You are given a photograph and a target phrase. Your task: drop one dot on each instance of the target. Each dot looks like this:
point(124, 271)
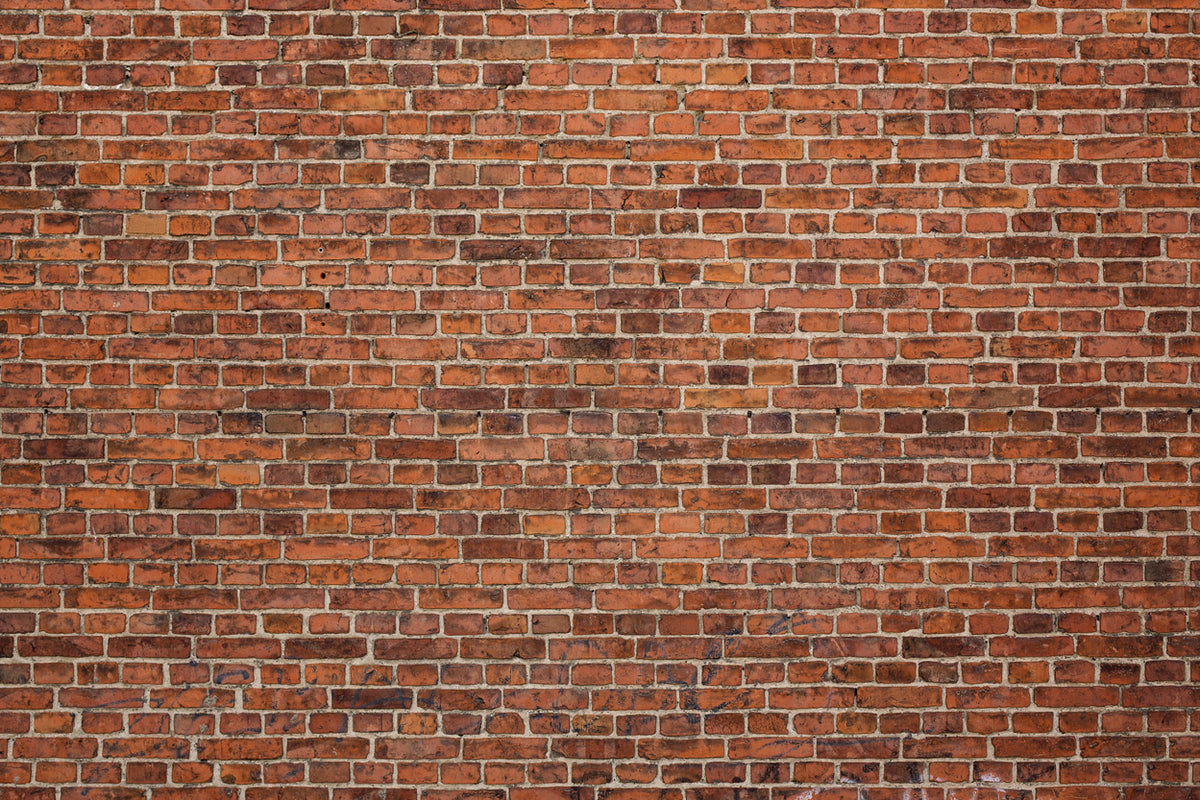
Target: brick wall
point(432, 400)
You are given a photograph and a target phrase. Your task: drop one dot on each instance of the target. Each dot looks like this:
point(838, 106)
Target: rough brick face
point(568, 400)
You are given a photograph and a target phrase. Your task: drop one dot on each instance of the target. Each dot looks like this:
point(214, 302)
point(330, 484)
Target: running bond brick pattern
point(569, 400)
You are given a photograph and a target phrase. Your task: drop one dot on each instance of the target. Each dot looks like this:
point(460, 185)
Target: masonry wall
point(435, 399)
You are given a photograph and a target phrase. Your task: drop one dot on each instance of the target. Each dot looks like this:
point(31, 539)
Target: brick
point(452, 400)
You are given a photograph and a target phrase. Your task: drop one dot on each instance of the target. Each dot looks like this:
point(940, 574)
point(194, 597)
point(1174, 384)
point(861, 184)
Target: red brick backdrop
point(547, 400)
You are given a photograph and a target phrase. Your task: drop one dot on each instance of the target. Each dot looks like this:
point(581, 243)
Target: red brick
point(455, 400)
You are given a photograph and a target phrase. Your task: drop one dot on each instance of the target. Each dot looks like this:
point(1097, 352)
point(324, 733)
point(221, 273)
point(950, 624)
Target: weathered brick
point(460, 399)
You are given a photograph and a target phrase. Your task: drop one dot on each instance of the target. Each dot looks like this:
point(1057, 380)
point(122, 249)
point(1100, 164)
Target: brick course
point(684, 400)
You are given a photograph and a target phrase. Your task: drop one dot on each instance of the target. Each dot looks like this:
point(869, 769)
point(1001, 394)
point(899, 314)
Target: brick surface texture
point(599, 400)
